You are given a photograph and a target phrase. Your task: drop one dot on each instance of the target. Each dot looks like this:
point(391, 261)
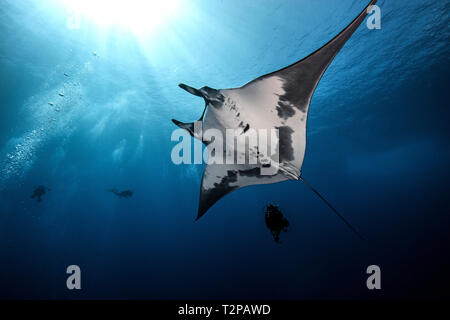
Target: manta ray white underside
point(276, 101)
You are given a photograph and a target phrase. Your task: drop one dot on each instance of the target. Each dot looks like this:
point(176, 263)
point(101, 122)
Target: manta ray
point(280, 101)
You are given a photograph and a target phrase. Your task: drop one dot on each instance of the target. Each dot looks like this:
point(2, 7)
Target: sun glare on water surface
point(137, 15)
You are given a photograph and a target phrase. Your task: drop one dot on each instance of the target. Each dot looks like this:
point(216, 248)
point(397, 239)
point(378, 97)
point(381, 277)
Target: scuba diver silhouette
point(39, 192)
point(122, 194)
point(275, 221)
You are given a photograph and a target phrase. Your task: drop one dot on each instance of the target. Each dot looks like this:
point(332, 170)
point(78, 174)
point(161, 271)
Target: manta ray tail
point(332, 208)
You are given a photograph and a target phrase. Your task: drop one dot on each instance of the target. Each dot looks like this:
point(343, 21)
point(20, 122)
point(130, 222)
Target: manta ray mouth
point(191, 90)
point(197, 93)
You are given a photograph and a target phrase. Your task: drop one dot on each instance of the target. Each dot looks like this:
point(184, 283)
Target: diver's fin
point(334, 210)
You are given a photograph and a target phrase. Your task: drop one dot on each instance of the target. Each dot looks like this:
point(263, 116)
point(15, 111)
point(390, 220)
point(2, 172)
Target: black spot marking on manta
point(285, 110)
point(255, 172)
point(209, 92)
point(298, 86)
point(213, 96)
point(209, 196)
point(286, 150)
point(226, 180)
point(217, 103)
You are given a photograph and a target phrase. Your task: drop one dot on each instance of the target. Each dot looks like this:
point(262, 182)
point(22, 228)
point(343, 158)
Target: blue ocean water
point(377, 148)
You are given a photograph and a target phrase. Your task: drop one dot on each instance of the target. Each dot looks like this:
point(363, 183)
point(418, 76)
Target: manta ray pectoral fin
point(218, 180)
point(317, 62)
point(210, 197)
point(301, 78)
point(221, 179)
